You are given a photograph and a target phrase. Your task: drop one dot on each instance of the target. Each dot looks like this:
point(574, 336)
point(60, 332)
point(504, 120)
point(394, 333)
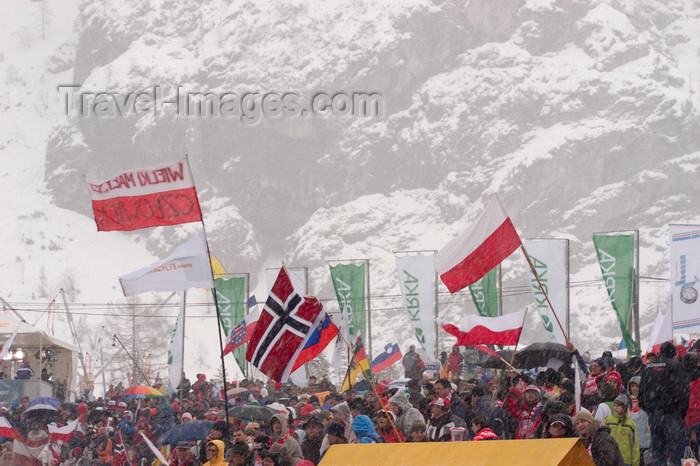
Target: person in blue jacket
point(364, 429)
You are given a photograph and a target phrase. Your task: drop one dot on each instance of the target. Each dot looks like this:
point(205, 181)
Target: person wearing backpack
point(364, 430)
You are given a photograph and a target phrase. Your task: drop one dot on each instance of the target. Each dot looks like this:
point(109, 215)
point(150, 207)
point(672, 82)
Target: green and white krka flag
point(416, 273)
point(549, 258)
point(616, 258)
point(485, 294)
point(231, 297)
point(175, 349)
point(349, 284)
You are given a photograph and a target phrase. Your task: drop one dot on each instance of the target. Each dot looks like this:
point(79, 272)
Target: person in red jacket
point(385, 429)
point(481, 430)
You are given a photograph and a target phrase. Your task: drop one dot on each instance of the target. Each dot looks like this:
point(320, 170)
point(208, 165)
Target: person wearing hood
point(215, 453)
point(624, 431)
point(597, 439)
point(364, 429)
point(282, 436)
point(664, 392)
point(217, 432)
point(341, 415)
point(560, 426)
point(404, 412)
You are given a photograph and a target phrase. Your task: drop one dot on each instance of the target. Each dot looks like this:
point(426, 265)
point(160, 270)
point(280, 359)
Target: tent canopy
point(28, 336)
point(511, 452)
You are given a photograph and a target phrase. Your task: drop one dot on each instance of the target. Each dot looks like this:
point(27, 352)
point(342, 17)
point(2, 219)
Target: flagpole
point(184, 310)
point(216, 307)
point(534, 272)
point(396, 432)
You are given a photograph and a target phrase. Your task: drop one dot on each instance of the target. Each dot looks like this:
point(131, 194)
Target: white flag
point(417, 282)
point(549, 258)
point(188, 266)
point(8, 344)
point(685, 277)
point(175, 350)
point(662, 331)
point(340, 345)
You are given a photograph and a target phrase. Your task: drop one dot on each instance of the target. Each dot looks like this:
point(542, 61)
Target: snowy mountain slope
point(581, 115)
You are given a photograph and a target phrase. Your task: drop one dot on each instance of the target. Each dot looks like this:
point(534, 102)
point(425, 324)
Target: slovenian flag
point(389, 356)
point(325, 332)
point(242, 332)
point(485, 244)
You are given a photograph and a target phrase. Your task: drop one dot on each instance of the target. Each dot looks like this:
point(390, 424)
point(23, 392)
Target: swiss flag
point(484, 245)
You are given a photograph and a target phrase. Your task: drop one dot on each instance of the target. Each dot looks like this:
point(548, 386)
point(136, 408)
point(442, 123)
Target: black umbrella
point(191, 431)
point(540, 354)
point(252, 413)
point(489, 361)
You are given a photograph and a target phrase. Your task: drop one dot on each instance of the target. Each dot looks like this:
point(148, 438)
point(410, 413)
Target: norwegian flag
point(119, 457)
point(285, 324)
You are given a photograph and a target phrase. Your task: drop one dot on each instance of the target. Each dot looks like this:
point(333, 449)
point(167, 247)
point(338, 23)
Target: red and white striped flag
point(485, 244)
point(27, 452)
point(479, 330)
point(145, 197)
point(64, 433)
point(6, 429)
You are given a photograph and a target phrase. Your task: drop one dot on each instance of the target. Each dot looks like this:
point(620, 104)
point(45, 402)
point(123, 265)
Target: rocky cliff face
point(581, 115)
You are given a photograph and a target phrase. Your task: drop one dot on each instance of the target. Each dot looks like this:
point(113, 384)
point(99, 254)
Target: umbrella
point(488, 361)
point(191, 431)
point(141, 391)
point(236, 391)
point(252, 413)
point(44, 400)
point(540, 354)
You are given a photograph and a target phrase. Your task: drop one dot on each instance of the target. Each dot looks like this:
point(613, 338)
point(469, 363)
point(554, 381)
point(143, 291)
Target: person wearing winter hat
point(614, 378)
point(596, 376)
point(527, 411)
point(624, 431)
point(559, 426)
point(664, 392)
point(441, 421)
point(186, 417)
point(597, 439)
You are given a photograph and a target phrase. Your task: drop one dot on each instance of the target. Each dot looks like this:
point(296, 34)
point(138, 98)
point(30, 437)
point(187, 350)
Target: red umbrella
point(141, 391)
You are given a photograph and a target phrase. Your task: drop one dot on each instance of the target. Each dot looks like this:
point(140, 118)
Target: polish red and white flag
point(484, 245)
point(145, 197)
point(64, 433)
point(479, 330)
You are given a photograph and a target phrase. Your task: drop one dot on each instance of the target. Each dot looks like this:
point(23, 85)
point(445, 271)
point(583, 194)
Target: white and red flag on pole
point(64, 433)
point(145, 197)
point(485, 244)
point(187, 267)
point(285, 324)
point(6, 429)
point(479, 330)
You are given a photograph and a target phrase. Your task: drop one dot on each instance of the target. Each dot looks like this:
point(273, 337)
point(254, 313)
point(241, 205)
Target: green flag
point(349, 284)
point(485, 294)
point(616, 258)
point(230, 293)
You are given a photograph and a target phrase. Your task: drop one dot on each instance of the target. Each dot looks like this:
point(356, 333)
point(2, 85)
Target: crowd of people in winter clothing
point(631, 413)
